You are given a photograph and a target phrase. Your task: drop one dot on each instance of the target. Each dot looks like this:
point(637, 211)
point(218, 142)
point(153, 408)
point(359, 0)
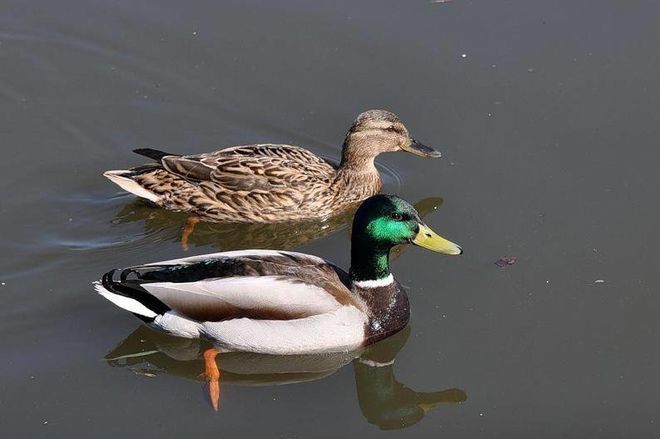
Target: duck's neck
point(371, 280)
point(357, 157)
point(370, 265)
point(357, 177)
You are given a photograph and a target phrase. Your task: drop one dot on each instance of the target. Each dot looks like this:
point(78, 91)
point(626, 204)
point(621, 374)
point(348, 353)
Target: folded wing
point(259, 285)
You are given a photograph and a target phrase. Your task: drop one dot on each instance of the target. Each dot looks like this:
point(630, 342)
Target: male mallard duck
point(269, 183)
point(278, 302)
point(282, 303)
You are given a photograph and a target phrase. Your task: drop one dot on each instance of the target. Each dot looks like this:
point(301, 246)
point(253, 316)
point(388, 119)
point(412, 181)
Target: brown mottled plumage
point(267, 183)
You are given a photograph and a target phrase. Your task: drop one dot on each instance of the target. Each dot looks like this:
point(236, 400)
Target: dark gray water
point(547, 115)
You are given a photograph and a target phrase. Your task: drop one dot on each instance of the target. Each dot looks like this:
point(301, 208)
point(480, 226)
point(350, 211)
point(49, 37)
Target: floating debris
point(506, 260)
point(144, 373)
point(599, 281)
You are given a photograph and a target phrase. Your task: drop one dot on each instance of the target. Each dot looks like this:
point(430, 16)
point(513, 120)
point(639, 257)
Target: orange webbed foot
point(187, 231)
point(212, 375)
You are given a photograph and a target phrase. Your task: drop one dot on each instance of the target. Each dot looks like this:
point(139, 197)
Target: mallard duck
point(269, 183)
point(277, 302)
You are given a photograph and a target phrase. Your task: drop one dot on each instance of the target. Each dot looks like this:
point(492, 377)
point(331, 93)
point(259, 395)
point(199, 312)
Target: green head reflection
point(386, 402)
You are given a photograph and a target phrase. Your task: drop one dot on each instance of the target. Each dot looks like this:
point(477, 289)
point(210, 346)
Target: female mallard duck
point(269, 183)
point(277, 302)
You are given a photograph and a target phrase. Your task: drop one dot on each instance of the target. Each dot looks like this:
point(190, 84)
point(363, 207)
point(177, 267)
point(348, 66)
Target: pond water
point(546, 115)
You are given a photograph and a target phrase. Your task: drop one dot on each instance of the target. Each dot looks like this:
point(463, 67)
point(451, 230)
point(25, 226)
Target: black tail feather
point(153, 153)
point(133, 289)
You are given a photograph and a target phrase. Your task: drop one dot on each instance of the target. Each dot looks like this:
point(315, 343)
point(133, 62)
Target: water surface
point(547, 117)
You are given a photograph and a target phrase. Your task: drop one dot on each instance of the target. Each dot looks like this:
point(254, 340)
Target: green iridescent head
point(384, 221)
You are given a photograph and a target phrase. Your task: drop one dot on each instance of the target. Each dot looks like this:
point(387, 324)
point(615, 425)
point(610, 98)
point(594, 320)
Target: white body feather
point(336, 331)
point(247, 292)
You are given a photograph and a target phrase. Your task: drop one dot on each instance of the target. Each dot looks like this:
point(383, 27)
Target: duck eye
point(396, 216)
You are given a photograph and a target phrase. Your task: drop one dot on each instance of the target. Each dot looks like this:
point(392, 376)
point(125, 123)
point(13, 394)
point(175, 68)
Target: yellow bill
point(427, 238)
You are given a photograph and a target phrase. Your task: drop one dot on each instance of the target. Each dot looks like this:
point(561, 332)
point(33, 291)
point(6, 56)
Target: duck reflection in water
point(383, 400)
point(236, 236)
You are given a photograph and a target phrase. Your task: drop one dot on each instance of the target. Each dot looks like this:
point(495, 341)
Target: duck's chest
point(350, 188)
point(389, 311)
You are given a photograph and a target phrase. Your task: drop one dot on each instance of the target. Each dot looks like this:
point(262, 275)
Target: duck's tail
point(124, 179)
point(130, 296)
point(154, 154)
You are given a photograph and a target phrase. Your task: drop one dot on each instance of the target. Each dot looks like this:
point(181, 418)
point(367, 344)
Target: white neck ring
point(375, 283)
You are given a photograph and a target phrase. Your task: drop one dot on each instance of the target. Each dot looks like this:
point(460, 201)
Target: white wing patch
point(246, 292)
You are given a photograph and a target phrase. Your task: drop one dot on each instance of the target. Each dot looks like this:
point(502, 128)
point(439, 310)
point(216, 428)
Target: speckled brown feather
point(277, 183)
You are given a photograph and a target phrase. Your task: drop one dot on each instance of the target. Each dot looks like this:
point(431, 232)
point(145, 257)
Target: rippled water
point(547, 118)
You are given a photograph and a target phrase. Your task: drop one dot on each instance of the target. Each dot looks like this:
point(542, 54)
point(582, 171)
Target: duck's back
point(251, 183)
